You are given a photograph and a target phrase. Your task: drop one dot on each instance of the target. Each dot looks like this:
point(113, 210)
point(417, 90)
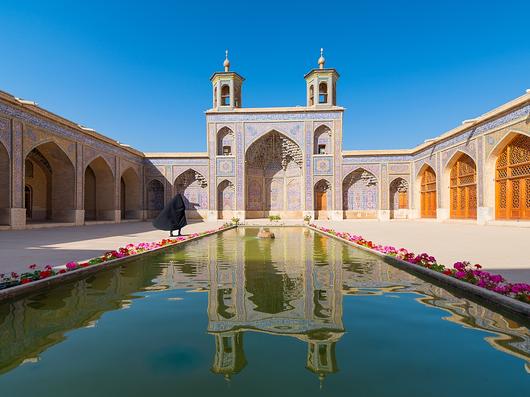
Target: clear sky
point(138, 71)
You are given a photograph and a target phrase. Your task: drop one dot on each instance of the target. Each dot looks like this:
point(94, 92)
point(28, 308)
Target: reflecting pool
point(234, 315)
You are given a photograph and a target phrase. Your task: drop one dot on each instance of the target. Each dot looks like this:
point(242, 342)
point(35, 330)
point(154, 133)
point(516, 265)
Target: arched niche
point(5, 183)
point(512, 179)
point(322, 140)
point(273, 172)
point(322, 196)
point(130, 195)
point(50, 181)
point(225, 142)
point(226, 199)
point(399, 198)
point(155, 198)
point(99, 191)
point(194, 189)
point(360, 190)
point(427, 189)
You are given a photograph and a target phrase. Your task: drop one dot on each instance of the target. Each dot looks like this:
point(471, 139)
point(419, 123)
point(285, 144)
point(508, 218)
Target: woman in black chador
point(172, 217)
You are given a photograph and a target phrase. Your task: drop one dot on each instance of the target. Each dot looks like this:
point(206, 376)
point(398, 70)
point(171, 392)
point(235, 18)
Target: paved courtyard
point(503, 249)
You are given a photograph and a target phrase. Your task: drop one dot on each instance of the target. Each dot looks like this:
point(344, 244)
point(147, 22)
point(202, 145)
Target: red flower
point(32, 266)
point(478, 266)
point(25, 280)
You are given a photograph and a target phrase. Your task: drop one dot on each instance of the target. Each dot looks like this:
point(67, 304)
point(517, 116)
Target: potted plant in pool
point(235, 221)
point(307, 219)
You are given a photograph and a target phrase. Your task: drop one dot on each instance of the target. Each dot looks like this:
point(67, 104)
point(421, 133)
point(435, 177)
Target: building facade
point(286, 161)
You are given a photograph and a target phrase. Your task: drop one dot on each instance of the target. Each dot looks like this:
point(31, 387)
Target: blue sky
point(139, 71)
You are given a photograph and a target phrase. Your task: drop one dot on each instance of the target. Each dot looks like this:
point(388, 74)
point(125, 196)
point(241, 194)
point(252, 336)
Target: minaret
point(321, 85)
point(226, 88)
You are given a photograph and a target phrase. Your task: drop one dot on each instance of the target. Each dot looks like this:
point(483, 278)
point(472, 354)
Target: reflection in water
point(291, 286)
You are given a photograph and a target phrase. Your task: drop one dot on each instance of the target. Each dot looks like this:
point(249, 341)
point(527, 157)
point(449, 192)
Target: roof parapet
point(26, 102)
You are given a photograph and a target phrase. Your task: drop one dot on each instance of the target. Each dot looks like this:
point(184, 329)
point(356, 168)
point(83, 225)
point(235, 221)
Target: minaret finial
point(321, 60)
point(226, 63)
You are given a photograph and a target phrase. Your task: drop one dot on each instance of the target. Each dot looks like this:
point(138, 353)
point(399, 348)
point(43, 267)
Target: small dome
point(321, 60)
point(226, 63)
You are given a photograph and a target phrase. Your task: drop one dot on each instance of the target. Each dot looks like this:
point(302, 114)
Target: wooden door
point(512, 180)
point(428, 194)
point(463, 189)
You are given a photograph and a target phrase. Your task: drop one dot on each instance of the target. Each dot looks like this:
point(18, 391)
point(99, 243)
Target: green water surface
point(234, 315)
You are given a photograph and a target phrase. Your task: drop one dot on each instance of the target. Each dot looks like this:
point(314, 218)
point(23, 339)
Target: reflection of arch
point(360, 194)
point(52, 184)
point(428, 192)
point(462, 173)
point(130, 195)
point(5, 182)
point(193, 187)
point(399, 196)
point(155, 198)
point(225, 199)
point(99, 196)
point(225, 142)
point(512, 179)
point(322, 140)
point(322, 198)
point(273, 176)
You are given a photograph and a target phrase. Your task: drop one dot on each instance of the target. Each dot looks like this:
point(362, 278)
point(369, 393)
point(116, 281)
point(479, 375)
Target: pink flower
point(32, 267)
point(71, 265)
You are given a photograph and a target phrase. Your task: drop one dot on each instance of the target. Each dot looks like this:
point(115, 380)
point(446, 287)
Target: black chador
point(173, 216)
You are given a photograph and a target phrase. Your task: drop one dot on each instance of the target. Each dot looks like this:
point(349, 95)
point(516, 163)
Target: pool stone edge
point(73, 275)
point(504, 302)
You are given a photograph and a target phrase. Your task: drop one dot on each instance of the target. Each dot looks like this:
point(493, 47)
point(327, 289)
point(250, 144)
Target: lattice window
point(513, 180)
point(463, 188)
point(428, 193)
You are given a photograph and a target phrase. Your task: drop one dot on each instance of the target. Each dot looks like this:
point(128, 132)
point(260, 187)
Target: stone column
point(117, 190)
point(18, 212)
point(79, 211)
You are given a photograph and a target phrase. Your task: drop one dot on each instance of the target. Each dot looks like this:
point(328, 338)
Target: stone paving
point(59, 245)
point(503, 249)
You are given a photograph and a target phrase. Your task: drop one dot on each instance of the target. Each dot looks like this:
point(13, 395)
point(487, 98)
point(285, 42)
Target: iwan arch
point(286, 161)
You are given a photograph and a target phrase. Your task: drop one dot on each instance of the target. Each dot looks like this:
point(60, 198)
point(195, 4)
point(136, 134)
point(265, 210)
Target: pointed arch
point(399, 197)
point(360, 189)
point(193, 187)
point(155, 198)
point(52, 184)
point(273, 172)
point(5, 182)
point(460, 181)
point(99, 191)
point(225, 142)
point(225, 199)
point(322, 140)
point(512, 179)
point(130, 195)
point(322, 194)
point(427, 187)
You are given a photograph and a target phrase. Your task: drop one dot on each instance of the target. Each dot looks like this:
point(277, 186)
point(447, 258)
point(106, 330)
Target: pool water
point(234, 315)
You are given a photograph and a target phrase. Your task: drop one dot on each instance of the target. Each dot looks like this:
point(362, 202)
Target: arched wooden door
point(428, 193)
point(463, 188)
point(321, 199)
point(512, 180)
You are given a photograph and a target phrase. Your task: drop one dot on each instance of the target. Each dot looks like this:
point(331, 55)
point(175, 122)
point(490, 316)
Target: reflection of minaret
point(229, 354)
point(321, 358)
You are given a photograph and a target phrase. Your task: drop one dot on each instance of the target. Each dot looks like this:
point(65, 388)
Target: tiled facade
point(259, 162)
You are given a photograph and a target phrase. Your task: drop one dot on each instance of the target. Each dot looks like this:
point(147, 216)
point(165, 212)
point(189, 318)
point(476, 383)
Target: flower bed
point(463, 271)
point(35, 273)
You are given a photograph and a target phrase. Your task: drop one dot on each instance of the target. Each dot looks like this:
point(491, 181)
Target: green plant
point(235, 220)
point(274, 218)
point(307, 218)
